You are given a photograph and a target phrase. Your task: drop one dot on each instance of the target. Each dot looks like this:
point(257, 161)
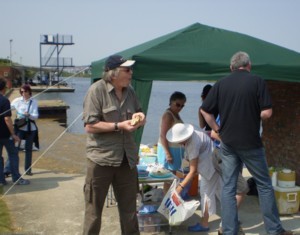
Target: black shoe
point(29, 173)
point(286, 233)
point(7, 174)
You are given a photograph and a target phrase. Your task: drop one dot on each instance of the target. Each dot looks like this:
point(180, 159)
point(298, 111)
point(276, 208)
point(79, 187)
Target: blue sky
point(101, 28)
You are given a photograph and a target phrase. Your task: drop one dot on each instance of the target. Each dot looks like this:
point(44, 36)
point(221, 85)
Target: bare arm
point(202, 122)
point(189, 177)
point(265, 114)
point(10, 127)
point(126, 125)
point(166, 124)
point(210, 119)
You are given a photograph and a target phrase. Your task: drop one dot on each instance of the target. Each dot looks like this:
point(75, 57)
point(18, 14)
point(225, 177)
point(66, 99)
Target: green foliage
point(4, 61)
point(29, 73)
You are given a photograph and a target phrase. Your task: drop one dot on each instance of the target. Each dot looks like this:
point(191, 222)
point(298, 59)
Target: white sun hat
point(180, 132)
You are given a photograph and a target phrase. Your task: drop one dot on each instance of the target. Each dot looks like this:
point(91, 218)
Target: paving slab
point(53, 204)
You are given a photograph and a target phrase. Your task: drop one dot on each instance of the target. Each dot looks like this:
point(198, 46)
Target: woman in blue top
point(169, 154)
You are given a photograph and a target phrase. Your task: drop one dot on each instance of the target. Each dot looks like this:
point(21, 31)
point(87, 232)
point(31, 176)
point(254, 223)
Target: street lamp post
point(10, 50)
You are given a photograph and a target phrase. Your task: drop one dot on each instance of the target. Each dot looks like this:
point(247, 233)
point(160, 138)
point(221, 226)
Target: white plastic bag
point(175, 209)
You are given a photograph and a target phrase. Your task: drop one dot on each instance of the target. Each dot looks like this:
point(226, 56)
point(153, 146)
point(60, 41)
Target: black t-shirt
point(4, 112)
point(239, 99)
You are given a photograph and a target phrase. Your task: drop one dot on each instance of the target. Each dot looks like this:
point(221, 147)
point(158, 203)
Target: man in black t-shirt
point(7, 139)
point(242, 101)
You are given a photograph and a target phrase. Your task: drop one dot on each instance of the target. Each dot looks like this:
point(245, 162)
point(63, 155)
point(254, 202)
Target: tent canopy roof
point(200, 52)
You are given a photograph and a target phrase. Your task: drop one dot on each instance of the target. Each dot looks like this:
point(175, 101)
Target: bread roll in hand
point(135, 120)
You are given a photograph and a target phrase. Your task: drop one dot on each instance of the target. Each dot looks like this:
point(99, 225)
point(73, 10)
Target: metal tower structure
point(51, 64)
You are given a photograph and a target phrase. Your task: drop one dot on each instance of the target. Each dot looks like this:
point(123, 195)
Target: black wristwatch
point(116, 127)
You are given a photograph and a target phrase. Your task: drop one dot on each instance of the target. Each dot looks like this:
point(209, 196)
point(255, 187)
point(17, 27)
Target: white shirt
point(21, 106)
point(201, 146)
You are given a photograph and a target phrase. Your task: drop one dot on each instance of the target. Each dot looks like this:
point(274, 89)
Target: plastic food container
point(141, 167)
point(148, 158)
point(287, 199)
point(286, 178)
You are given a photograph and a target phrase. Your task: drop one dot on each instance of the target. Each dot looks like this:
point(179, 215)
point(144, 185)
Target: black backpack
point(252, 187)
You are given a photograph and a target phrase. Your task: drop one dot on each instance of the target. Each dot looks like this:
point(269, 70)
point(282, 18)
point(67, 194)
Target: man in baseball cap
point(109, 107)
point(116, 61)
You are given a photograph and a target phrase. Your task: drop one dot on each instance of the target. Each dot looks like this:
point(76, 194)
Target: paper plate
point(167, 175)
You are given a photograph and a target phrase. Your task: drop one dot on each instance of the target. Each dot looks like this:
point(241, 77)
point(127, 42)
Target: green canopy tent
point(201, 52)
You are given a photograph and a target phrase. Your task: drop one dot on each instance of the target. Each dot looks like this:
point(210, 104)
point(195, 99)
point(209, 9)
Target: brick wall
point(12, 75)
point(281, 134)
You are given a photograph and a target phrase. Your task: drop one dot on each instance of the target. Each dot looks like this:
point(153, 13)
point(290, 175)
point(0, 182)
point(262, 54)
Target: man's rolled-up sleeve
point(91, 108)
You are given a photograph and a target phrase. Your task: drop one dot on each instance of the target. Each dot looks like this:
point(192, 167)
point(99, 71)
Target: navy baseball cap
point(115, 61)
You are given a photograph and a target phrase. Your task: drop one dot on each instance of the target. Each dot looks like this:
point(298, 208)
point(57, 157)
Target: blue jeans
point(2, 178)
point(256, 163)
point(29, 137)
point(13, 158)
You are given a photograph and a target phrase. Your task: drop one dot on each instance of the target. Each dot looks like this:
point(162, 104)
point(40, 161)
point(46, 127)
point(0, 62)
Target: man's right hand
point(169, 158)
point(16, 138)
point(127, 126)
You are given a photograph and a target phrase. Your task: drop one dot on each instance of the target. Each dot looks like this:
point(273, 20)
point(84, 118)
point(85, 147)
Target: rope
point(53, 143)
point(60, 82)
point(51, 87)
point(49, 147)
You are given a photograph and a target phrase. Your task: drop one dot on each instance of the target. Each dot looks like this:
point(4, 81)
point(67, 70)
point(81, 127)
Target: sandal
point(198, 228)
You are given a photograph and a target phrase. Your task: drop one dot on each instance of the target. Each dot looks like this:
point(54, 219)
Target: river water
point(159, 101)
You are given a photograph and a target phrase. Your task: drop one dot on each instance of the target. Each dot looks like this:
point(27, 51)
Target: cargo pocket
point(88, 191)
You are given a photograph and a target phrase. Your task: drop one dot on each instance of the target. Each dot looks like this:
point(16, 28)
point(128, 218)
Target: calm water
point(159, 101)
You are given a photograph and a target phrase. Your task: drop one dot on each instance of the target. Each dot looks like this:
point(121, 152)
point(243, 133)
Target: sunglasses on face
point(23, 92)
point(127, 70)
point(179, 105)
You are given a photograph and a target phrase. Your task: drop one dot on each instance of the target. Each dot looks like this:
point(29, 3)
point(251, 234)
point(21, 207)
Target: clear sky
point(104, 27)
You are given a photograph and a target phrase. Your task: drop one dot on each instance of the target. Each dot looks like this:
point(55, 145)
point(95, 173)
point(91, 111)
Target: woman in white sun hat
point(198, 151)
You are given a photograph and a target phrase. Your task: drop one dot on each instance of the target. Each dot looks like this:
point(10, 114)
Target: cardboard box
point(287, 199)
point(193, 191)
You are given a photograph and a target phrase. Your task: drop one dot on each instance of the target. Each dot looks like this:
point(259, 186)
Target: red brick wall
point(281, 135)
point(5, 72)
point(13, 75)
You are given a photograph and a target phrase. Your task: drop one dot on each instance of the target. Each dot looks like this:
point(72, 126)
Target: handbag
point(20, 122)
point(174, 208)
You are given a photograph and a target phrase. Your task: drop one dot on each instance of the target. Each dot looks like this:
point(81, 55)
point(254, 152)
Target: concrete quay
point(55, 88)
